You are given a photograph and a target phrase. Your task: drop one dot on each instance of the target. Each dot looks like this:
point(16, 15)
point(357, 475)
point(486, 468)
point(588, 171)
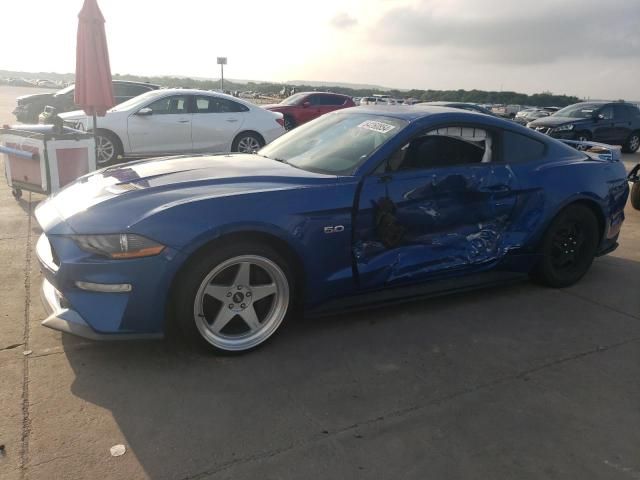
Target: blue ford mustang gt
point(359, 207)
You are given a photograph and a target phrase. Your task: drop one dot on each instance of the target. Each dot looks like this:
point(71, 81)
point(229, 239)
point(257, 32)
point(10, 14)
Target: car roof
point(132, 82)
point(194, 91)
point(323, 93)
point(444, 104)
point(417, 111)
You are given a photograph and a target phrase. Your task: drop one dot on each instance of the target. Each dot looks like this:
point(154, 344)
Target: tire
point(568, 247)
point(109, 148)
point(247, 142)
point(632, 143)
point(635, 196)
point(246, 288)
point(289, 123)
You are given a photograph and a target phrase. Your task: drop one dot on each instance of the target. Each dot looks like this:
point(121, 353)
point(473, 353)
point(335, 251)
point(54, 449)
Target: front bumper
point(85, 310)
point(64, 319)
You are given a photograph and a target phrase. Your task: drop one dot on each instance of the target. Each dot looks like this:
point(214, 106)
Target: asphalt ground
point(517, 382)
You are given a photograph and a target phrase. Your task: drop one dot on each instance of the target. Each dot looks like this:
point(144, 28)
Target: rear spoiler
point(597, 151)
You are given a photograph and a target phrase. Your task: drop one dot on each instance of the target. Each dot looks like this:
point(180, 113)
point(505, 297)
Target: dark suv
point(615, 123)
point(30, 106)
point(302, 107)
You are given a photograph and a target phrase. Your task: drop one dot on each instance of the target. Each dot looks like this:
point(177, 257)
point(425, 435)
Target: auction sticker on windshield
point(375, 126)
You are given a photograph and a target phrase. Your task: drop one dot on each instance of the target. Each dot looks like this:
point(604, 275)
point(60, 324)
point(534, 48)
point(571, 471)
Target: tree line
point(544, 99)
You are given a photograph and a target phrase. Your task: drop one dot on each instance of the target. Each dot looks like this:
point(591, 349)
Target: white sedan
point(171, 121)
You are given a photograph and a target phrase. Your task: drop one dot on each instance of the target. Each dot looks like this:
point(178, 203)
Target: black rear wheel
point(635, 196)
point(568, 247)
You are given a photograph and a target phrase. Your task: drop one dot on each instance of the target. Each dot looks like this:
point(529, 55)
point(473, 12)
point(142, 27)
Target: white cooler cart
point(43, 159)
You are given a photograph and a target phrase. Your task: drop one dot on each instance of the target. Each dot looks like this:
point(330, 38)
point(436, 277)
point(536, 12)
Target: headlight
point(118, 246)
point(563, 128)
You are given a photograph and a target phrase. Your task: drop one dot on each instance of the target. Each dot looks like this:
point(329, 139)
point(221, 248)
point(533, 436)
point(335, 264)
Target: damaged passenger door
point(440, 204)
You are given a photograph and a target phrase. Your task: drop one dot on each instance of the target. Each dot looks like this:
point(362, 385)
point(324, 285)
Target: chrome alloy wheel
point(106, 150)
point(241, 302)
point(634, 142)
point(248, 144)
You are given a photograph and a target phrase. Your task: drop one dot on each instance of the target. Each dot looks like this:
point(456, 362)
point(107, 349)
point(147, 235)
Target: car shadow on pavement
point(185, 413)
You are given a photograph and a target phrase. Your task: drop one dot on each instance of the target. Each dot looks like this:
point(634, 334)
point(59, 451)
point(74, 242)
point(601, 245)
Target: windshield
point(64, 91)
point(581, 110)
point(134, 102)
point(336, 143)
point(293, 99)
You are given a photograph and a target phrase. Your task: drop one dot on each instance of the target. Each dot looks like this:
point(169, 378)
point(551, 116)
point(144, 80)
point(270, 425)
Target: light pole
point(222, 61)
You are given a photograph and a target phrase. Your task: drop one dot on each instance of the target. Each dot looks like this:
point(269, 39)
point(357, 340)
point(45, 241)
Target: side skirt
point(436, 288)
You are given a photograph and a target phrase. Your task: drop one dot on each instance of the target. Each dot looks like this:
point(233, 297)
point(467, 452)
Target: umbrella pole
point(95, 136)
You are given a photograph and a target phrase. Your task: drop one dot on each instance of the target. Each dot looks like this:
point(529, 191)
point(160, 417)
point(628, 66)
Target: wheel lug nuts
point(239, 287)
point(243, 305)
point(248, 294)
point(231, 305)
point(228, 294)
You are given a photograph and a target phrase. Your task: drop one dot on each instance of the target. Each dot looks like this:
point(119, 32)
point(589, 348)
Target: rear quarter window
point(517, 148)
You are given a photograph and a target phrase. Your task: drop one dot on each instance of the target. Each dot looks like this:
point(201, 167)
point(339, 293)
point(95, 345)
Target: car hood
point(33, 97)
point(116, 198)
point(554, 121)
point(75, 115)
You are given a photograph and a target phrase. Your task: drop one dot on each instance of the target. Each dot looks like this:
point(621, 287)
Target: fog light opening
point(104, 287)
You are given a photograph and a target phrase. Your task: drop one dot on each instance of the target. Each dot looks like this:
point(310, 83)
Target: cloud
point(506, 32)
point(343, 21)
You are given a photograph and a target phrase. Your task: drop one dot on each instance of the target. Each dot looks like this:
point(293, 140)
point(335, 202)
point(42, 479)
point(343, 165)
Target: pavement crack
point(598, 349)
point(11, 347)
point(600, 304)
point(26, 420)
point(59, 457)
point(403, 412)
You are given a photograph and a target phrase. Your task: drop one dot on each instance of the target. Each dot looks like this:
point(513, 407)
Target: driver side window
point(314, 100)
point(606, 112)
point(444, 147)
point(177, 104)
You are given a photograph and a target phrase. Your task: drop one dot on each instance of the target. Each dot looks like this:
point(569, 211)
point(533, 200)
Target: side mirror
point(306, 104)
point(145, 111)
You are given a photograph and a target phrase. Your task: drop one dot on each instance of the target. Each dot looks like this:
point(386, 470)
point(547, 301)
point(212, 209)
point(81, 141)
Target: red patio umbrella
point(94, 88)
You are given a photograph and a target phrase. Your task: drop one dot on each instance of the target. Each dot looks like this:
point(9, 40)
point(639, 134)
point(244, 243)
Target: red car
point(304, 106)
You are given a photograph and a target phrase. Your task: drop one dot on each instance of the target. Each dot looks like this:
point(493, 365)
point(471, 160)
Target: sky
point(588, 48)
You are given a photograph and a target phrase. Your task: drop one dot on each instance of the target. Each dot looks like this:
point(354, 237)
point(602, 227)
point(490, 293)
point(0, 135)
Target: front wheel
point(234, 298)
point(289, 123)
point(108, 148)
point(635, 196)
point(568, 247)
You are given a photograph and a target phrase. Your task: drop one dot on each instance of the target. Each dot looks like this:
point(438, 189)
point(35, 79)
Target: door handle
point(183, 121)
point(231, 120)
